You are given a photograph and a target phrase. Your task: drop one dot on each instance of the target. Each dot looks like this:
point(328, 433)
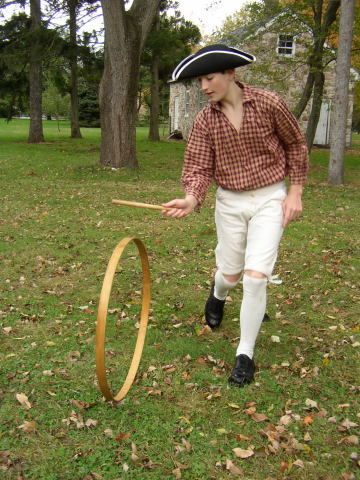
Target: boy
point(247, 141)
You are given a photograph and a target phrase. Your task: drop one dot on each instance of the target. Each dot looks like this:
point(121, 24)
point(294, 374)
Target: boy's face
point(216, 85)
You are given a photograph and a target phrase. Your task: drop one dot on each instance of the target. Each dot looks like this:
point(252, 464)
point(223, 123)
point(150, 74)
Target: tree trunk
point(341, 100)
point(35, 76)
point(315, 108)
point(118, 112)
point(155, 101)
point(306, 95)
point(125, 34)
point(315, 82)
point(75, 127)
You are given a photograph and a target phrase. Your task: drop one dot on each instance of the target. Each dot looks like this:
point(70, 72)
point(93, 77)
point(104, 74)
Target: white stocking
point(251, 313)
point(222, 286)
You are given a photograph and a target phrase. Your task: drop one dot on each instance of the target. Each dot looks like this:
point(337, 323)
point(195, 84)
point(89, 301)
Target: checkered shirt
point(268, 147)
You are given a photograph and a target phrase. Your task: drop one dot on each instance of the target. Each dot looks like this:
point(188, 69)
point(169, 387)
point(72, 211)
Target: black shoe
point(214, 310)
point(243, 372)
point(266, 318)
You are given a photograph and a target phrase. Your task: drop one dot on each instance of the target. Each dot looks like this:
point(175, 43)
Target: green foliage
point(57, 231)
point(14, 58)
point(89, 112)
point(170, 41)
point(15, 41)
point(54, 103)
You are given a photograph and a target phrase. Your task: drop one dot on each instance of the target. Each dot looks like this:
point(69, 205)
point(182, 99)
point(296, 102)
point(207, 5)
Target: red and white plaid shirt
point(268, 147)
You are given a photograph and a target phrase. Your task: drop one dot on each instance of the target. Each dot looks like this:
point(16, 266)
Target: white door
point(322, 135)
point(176, 114)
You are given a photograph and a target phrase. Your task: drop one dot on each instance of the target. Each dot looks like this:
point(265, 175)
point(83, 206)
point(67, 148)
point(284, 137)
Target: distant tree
point(316, 17)
point(92, 65)
point(72, 6)
point(170, 40)
point(14, 82)
point(321, 21)
point(36, 134)
point(55, 104)
point(341, 100)
point(125, 35)
point(78, 12)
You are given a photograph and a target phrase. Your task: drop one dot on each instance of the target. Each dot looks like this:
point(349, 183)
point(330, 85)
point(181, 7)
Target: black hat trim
point(247, 58)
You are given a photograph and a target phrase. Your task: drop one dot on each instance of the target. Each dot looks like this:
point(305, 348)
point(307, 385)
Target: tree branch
point(331, 13)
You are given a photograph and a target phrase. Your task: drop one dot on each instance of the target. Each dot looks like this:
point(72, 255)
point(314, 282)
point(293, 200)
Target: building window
point(187, 102)
point(286, 45)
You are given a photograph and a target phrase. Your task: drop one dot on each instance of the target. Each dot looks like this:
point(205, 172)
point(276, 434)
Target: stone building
point(280, 66)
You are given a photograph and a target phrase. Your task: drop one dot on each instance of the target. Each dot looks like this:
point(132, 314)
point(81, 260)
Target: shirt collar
point(248, 95)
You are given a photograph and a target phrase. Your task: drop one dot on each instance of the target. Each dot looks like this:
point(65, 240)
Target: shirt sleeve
point(198, 169)
point(294, 143)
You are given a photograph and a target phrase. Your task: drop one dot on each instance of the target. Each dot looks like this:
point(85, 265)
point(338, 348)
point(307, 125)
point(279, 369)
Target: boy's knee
point(232, 278)
point(254, 274)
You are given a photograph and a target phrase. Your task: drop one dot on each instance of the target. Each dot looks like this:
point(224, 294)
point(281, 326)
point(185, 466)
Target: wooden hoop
point(102, 314)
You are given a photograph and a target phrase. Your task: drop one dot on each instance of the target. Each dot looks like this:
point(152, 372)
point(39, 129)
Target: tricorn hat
point(211, 59)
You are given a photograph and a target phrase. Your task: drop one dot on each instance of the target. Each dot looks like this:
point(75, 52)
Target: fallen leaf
point(108, 433)
point(169, 368)
point(242, 438)
point(285, 420)
point(122, 436)
point(48, 373)
point(259, 417)
point(93, 476)
point(347, 424)
point(311, 403)
point(125, 467)
point(275, 339)
point(347, 476)
point(221, 431)
point(186, 444)
point(242, 453)
point(234, 406)
point(284, 466)
point(23, 400)
point(91, 423)
point(27, 427)
point(82, 405)
point(250, 411)
point(308, 420)
point(233, 469)
point(135, 458)
point(350, 440)
point(153, 391)
point(177, 472)
point(206, 330)
point(7, 330)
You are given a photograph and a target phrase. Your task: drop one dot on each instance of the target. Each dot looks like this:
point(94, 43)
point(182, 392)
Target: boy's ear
point(231, 72)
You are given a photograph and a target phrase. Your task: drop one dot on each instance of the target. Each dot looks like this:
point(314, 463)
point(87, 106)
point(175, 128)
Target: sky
point(209, 15)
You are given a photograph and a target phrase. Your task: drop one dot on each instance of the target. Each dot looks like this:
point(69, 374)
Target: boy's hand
point(292, 205)
point(180, 207)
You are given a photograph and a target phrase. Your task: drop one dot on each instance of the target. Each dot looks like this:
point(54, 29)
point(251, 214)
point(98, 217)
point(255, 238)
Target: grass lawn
point(299, 420)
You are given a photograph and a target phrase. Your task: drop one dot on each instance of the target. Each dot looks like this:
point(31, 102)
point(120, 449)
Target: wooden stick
point(139, 205)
